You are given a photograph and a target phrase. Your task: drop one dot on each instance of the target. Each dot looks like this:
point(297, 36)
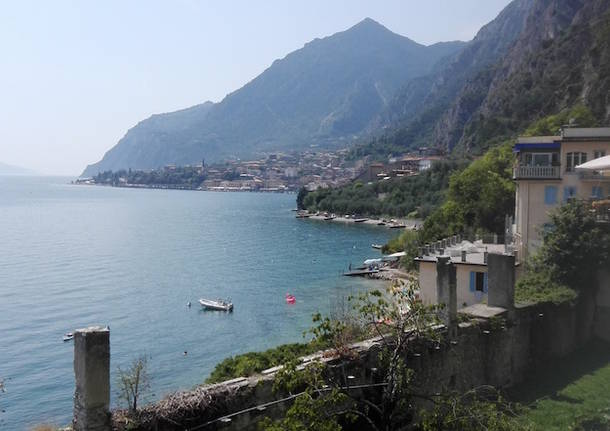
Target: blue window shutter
point(485, 285)
point(550, 195)
point(472, 281)
point(597, 192)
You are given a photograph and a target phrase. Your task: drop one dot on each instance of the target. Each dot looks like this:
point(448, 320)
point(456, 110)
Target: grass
point(571, 394)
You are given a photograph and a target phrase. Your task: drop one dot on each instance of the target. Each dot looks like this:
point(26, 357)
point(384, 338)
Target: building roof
point(585, 132)
point(474, 253)
point(538, 139)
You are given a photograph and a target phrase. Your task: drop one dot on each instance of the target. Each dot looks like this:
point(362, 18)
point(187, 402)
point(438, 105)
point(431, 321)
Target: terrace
point(537, 158)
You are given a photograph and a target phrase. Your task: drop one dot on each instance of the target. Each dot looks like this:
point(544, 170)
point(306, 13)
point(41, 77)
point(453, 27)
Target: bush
point(251, 363)
point(408, 241)
point(539, 286)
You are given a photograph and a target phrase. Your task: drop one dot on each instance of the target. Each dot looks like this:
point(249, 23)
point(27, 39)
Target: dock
point(361, 272)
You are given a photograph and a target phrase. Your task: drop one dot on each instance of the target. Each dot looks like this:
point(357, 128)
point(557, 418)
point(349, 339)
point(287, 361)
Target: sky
point(76, 75)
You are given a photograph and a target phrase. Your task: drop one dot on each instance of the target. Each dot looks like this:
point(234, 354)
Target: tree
point(134, 382)
point(396, 317)
point(481, 408)
point(576, 247)
point(478, 198)
point(580, 116)
point(301, 198)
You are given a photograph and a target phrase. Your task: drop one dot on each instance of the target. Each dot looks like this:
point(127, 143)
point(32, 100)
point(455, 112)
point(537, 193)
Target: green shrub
point(254, 362)
point(539, 286)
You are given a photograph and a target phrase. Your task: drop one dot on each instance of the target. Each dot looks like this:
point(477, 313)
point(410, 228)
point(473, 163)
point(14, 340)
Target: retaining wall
point(497, 352)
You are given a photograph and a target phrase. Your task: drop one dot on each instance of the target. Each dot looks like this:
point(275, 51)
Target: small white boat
point(219, 304)
point(68, 336)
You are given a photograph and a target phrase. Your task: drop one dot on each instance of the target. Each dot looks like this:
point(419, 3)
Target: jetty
point(360, 272)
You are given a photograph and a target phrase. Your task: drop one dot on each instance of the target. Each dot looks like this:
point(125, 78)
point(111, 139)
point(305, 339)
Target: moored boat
point(219, 304)
point(68, 336)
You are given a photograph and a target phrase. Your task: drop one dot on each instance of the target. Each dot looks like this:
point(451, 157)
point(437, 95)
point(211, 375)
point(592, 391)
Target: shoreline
point(185, 188)
point(398, 224)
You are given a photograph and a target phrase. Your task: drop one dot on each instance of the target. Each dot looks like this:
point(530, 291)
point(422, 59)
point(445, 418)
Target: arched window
point(575, 159)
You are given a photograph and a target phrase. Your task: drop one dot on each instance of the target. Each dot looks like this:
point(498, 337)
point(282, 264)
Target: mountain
point(561, 60)
point(537, 58)
point(325, 93)
point(425, 105)
point(14, 170)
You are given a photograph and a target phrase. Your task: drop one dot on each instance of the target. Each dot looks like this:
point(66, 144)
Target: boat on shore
point(360, 220)
point(219, 304)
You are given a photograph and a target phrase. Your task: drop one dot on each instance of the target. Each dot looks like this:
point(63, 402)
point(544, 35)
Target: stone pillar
point(446, 293)
point(92, 378)
point(501, 280)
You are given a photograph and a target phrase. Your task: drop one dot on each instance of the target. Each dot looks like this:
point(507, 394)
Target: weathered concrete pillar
point(446, 293)
point(92, 378)
point(501, 279)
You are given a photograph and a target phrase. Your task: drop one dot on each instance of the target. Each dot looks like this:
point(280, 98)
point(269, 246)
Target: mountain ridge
point(324, 93)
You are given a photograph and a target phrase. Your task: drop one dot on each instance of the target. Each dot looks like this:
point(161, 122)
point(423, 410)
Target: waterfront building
point(470, 260)
point(545, 177)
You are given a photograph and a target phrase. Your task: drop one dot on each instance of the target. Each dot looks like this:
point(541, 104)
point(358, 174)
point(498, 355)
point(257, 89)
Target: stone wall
point(497, 351)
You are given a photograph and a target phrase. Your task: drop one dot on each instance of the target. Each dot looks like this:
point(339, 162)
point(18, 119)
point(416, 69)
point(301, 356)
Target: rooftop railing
point(536, 172)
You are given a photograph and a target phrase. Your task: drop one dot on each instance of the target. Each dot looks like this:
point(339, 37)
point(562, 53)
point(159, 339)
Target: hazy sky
point(76, 75)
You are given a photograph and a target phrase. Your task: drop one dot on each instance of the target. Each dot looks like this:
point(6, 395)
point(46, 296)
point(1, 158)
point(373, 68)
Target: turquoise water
point(72, 256)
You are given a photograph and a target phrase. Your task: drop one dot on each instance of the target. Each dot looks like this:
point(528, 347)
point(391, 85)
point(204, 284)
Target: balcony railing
point(536, 172)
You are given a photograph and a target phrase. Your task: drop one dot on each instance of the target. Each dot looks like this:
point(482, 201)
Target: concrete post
point(463, 255)
point(501, 279)
point(92, 378)
point(446, 293)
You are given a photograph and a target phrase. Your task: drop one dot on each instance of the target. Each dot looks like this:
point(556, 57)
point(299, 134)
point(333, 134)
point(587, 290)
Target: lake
point(72, 256)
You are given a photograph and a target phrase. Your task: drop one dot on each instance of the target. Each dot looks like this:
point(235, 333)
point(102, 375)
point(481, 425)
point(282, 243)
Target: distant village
point(276, 172)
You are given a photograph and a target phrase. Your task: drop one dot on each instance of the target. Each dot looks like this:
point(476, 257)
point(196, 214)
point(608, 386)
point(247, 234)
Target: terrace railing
point(535, 172)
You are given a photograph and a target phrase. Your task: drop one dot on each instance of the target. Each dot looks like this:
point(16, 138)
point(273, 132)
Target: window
point(540, 159)
point(597, 192)
point(478, 282)
point(569, 192)
point(599, 153)
point(550, 195)
point(574, 159)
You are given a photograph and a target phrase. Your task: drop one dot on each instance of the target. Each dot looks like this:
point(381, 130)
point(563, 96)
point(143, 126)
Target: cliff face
point(560, 59)
point(324, 93)
point(431, 105)
point(535, 59)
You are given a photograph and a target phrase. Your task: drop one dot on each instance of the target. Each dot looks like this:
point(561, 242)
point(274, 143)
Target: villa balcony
point(522, 172)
